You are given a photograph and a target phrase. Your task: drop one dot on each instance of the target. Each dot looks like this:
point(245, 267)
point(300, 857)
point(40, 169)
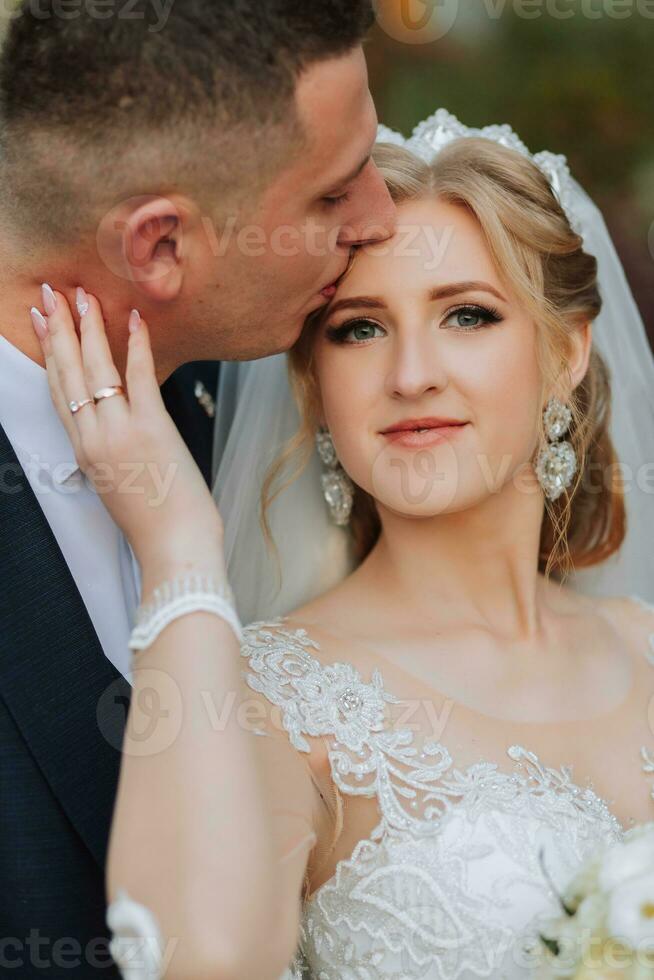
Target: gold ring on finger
point(76, 406)
point(108, 393)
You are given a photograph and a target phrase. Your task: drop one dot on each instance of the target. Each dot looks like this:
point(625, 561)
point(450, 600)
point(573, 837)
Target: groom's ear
point(151, 244)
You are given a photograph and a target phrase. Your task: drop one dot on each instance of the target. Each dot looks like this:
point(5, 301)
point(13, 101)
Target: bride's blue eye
point(360, 329)
point(472, 317)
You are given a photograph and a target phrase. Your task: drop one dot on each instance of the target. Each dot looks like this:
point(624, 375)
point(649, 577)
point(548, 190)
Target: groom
point(214, 171)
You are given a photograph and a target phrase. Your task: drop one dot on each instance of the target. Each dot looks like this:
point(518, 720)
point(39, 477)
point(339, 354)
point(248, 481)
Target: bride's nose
point(414, 366)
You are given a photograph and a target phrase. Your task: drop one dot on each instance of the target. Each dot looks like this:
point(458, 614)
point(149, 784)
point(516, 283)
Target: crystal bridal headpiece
point(256, 415)
point(432, 135)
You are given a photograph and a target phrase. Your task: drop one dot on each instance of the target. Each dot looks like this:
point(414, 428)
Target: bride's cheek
point(506, 433)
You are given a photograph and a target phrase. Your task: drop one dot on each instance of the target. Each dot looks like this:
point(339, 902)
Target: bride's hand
point(128, 445)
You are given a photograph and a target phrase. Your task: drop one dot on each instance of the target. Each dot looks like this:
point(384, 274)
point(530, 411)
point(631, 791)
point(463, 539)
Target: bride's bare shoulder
point(631, 616)
point(328, 625)
point(309, 628)
point(628, 608)
point(326, 617)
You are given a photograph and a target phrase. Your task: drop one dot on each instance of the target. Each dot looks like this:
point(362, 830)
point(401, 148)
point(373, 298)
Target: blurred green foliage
point(580, 86)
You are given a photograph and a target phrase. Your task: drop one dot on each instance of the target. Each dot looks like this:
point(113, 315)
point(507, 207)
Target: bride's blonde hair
point(532, 242)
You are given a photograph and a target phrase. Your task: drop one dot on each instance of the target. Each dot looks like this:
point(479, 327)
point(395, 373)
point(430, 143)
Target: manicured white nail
point(40, 323)
point(134, 321)
point(49, 298)
point(81, 301)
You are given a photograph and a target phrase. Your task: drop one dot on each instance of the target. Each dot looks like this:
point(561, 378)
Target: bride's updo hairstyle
point(542, 258)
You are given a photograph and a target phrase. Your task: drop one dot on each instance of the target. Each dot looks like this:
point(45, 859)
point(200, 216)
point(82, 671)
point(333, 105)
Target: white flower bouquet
point(606, 928)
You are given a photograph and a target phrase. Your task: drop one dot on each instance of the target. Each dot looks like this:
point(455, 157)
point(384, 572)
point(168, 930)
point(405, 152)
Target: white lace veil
point(256, 414)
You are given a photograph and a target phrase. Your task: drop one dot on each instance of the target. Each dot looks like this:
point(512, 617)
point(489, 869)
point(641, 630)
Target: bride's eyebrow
point(454, 288)
point(367, 302)
point(438, 292)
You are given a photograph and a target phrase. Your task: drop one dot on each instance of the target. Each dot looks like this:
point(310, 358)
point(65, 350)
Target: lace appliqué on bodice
point(450, 882)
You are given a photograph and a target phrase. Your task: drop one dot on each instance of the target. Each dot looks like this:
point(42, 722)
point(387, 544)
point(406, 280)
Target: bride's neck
point(480, 564)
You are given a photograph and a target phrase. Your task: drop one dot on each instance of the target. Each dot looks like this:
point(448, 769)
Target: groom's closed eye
point(337, 199)
point(339, 191)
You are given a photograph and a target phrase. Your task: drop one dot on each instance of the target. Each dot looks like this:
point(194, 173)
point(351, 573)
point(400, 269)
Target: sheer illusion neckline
point(439, 778)
point(538, 774)
point(378, 662)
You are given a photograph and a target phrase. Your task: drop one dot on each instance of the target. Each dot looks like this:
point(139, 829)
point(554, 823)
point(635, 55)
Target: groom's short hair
point(100, 98)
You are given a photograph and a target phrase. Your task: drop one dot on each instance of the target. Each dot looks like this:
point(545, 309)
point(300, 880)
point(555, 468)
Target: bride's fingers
point(62, 361)
point(64, 347)
point(99, 368)
point(97, 358)
point(59, 400)
point(142, 384)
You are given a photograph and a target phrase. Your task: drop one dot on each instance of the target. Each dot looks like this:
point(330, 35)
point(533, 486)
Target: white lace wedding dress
point(453, 881)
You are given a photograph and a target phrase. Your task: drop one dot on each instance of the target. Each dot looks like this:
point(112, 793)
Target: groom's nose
point(372, 216)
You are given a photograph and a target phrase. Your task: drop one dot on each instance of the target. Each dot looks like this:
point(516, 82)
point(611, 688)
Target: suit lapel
point(188, 395)
point(67, 698)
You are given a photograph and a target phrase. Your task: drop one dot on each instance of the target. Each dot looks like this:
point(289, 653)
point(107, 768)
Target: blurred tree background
point(571, 76)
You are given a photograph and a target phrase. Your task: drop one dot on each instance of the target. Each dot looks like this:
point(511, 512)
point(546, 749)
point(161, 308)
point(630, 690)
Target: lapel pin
point(205, 399)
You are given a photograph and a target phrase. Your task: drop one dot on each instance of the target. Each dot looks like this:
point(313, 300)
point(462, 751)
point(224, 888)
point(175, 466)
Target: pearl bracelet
point(179, 597)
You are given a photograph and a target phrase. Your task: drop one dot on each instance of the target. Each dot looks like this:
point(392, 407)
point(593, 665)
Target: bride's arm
point(200, 835)
point(196, 833)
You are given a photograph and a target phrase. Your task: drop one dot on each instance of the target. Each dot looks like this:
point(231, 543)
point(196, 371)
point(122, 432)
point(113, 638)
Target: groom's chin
point(285, 342)
point(255, 353)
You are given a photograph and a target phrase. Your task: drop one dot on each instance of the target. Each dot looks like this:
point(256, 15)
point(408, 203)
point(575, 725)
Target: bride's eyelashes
point(473, 316)
point(467, 318)
point(339, 335)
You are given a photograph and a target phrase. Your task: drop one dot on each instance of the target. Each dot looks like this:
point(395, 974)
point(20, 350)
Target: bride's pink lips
point(422, 438)
point(329, 291)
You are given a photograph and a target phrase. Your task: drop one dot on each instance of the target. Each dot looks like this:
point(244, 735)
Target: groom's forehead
point(332, 84)
point(339, 126)
point(337, 115)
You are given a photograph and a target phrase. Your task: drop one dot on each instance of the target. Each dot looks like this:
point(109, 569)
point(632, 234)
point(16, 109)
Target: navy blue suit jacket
point(63, 707)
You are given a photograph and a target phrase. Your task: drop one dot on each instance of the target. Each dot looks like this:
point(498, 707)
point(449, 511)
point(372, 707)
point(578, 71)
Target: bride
point(395, 778)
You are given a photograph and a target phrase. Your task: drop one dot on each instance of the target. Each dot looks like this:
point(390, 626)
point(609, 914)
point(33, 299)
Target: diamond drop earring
point(557, 463)
point(336, 484)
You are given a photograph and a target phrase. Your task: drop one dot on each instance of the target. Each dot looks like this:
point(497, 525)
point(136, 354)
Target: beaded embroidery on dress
point(453, 881)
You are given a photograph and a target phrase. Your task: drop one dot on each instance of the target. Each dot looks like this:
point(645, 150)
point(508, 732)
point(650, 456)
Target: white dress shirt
point(97, 553)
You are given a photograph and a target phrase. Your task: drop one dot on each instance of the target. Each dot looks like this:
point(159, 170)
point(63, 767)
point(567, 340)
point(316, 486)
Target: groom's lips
point(329, 290)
